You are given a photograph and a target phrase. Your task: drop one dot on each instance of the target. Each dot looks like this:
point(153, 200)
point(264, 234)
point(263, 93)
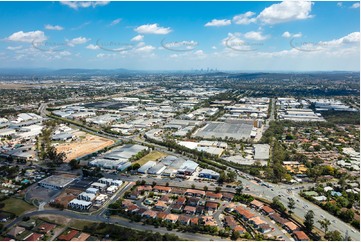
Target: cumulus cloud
point(289, 35)
point(245, 18)
point(77, 41)
point(339, 4)
point(53, 27)
point(285, 12)
point(152, 29)
point(355, 5)
point(92, 47)
point(21, 36)
point(253, 35)
point(146, 49)
point(115, 21)
point(82, 4)
point(218, 23)
point(14, 47)
point(138, 37)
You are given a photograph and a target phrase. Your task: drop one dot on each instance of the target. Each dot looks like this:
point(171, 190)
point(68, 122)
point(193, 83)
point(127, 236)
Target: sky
point(238, 36)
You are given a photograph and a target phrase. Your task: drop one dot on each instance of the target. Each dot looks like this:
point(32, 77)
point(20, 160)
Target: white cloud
point(115, 21)
point(339, 4)
point(139, 37)
point(53, 27)
point(83, 4)
point(355, 5)
point(102, 55)
point(152, 29)
point(14, 47)
point(77, 41)
point(245, 18)
point(29, 37)
point(253, 35)
point(214, 47)
point(285, 12)
point(289, 35)
point(146, 49)
point(352, 38)
point(92, 47)
point(218, 23)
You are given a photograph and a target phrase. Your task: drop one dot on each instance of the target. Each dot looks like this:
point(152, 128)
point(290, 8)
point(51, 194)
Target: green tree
point(205, 188)
point(218, 189)
point(309, 220)
point(235, 235)
point(291, 205)
point(334, 236)
point(74, 164)
point(324, 224)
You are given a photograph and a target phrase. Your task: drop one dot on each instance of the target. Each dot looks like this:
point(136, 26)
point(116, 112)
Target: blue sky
point(244, 36)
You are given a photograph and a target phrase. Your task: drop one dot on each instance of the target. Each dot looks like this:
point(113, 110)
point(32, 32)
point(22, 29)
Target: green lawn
point(16, 206)
point(154, 155)
point(79, 224)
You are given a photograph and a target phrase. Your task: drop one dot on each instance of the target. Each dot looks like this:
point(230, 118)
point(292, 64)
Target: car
point(322, 216)
point(334, 221)
point(353, 231)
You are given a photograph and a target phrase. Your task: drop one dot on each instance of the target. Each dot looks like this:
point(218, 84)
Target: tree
point(291, 205)
point(218, 189)
point(193, 186)
point(324, 224)
point(277, 204)
point(74, 164)
point(309, 222)
point(154, 183)
point(347, 215)
point(205, 188)
point(235, 235)
point(53, 157)
point(334, 236)
point(167, 184)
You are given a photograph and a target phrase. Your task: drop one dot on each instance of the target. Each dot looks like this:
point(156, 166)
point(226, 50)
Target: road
point(120, 221)
point(302, 206)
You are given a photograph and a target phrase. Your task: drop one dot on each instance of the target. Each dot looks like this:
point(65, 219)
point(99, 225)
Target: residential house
point(195, 193)
point(227, 196)
point(194, 221)
point(290, 226)
point(184, 219)
point(278, 219)
point(264, 228)
point(193, 201)
point(300, 236)
point(172, 218)
point(15, 231)
point(177, 208)
point(244, 213)
point(256, 204)
point(162, 215)
point(70, 234)
point(230, 222)
point(178, 191)
point(212, 206)
point(267, 210)
point(256, 222)
point(199, 209)
point(160, 205)
point(149, 214)
point(162, 189)
point(181, 200)
point(33, 237)
point(213, 195)
point(189, 210)
point(134, 195)
point(81, 237)
point(45, 228)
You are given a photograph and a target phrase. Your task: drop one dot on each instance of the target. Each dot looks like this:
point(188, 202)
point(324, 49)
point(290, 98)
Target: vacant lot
point(83, 144)
point(154, 155)
point(16, 206)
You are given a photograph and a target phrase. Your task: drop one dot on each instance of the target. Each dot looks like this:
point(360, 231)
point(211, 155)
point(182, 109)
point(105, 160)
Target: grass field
point(16, 206)
point(154, 155)
point(79, 224)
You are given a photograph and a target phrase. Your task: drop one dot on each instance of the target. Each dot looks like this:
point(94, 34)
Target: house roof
point(276, 217)
point(268, 209)
point(81, 237)
point(160, 204)
point(194, 220)
point(300, 235)
point(291, 226)
point(247, 214)
point(165, 198)
point(162, 188)
point(14, 231)
point(46, 227)
point(178, 190)
point(184, 218)
point(228, 195)
point(239, 228)
point(181, 200)
point(214, 195)
point(162, 215)
point(257, 220)
point(212, 205)
point(189, 208)
point(194, 191)
point(257, 203)
point(231, 222)
point(33, 237)
point(172, 217)
point(150, 213)
point(69, 235)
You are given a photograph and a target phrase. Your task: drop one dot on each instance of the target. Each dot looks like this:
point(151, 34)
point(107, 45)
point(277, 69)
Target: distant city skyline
point(253, 36)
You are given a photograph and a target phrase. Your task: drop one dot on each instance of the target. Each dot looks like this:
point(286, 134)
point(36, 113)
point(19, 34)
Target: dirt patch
point(66, 196)
point(83, 144)
point(57, 219)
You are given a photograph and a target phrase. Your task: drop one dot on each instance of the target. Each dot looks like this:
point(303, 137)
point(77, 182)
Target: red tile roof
point(214, 195)
point(69, 235)
point(162, 188)
point(300, 235)
point(34, 237)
